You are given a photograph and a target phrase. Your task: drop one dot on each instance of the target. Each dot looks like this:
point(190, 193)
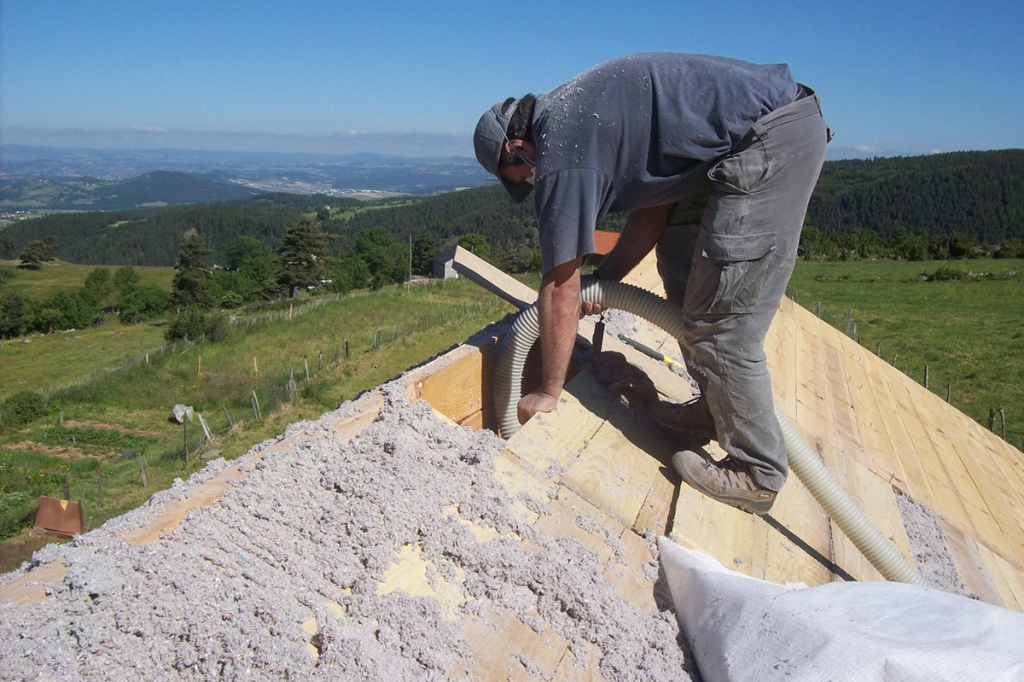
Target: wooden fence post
point(949, 391)
point(992, 419)
point(926, 376)
point(305, 363)
point(1002, 422)
point(231, 424)
point(256, 407)
point(143, 471)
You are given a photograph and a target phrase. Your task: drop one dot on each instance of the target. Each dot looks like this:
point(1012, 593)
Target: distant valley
point(43, 178)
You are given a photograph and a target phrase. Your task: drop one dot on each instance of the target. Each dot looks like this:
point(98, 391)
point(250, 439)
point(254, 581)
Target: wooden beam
point(494, 280)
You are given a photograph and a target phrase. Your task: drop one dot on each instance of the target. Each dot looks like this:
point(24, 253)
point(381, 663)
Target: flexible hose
point(802, 460)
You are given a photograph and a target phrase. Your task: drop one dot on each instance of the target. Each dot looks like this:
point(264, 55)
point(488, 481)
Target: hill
point(152, 236)
point(980, 194)
point(159, 188)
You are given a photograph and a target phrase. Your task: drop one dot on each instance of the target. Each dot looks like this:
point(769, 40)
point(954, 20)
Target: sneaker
point(727, 481)
point(692, 419)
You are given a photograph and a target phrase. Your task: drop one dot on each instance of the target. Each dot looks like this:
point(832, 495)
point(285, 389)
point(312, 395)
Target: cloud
point(864, 149)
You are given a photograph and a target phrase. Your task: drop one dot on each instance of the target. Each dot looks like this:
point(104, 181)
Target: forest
point(899, 207)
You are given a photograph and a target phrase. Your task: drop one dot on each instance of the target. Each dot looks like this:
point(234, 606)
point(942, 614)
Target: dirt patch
point(69, 454)
point(313, 532)
point(101, 426)
point(14, 551)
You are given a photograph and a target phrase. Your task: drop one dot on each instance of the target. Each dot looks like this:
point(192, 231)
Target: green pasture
point(44, 363)
point(90, 425)
point(969, 331)
point(50, 278)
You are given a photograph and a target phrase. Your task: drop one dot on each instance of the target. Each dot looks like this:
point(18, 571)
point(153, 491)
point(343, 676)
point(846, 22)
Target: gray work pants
point(726, 258)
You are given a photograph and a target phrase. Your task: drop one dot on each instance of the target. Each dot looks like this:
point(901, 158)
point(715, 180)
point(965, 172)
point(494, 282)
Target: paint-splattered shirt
point(631, 133)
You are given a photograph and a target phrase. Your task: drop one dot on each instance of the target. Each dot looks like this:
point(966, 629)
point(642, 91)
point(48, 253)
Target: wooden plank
point(494, 280)
point(656, 511)
point(34, 585)
point(556, 439)
point(813, 405)
point(613, 474)
point(512, 651)
point(968, 563)
point(798, 559)
point(645, 275)
point(956, 498)
point(780, 348)
point(1008, 580)
point(876, 499)
point(881, 456)
point(736, 539)
point(846, 425)
point(462, 387)
point(916, 481)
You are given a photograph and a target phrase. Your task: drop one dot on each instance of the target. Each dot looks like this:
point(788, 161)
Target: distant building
point(444, 265)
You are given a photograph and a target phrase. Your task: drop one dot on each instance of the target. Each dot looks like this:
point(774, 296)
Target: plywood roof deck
point(878, 431)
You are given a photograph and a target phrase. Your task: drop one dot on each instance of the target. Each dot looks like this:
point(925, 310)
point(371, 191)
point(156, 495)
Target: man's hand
point(532, 403)
point(588, 307)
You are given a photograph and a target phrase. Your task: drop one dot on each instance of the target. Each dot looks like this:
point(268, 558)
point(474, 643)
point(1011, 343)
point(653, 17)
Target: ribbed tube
point(843, 510)
point(802, 460)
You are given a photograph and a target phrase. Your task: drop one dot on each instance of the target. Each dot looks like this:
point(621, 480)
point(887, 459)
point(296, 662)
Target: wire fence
point(996, 421)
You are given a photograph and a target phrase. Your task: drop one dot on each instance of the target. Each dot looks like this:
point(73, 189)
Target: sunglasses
point(525, 160)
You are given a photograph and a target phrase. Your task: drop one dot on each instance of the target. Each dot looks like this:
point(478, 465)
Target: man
point(715, 160)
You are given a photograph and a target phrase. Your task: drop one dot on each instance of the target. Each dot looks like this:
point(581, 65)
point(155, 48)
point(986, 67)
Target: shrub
point(193, 324)
point(21, 408)
point(945, 274)
point(231, 300)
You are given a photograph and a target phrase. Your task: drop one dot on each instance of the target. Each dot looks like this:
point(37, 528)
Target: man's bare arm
point(559, 307)
point(643, 230)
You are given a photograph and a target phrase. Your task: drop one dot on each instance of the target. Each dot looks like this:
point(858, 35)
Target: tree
point(38, 251)
point(255, 270)
point(191, 283)
point(303, 252)
point(98, 285)
point(12, 314)
point(383, 255)
point(126, 280)
point(7, 247)
point(476, 244)
point(423, 251)
point(143, 304)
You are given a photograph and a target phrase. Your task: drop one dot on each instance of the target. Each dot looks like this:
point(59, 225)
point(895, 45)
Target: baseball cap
point(488, 141)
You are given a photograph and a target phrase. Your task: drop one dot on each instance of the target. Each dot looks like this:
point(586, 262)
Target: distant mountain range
point(159, 188)
point(286, 172)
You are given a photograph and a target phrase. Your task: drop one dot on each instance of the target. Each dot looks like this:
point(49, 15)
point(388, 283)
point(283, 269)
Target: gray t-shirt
point(631, 132)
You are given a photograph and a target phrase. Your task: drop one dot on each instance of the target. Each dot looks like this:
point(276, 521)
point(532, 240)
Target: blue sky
point(895, 77)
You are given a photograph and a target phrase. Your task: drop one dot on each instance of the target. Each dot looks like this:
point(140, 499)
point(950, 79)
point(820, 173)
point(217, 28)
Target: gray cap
point(488, 141)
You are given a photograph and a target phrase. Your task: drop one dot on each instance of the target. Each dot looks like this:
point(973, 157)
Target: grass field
point(130, 410)
point(60, 276)
point(969, 332)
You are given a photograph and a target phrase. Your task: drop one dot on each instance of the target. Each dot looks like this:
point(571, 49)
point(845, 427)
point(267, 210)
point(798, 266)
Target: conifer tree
point(192, 277)
point(303, 254)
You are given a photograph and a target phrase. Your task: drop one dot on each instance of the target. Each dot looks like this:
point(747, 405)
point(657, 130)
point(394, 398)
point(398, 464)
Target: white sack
point(741, 629)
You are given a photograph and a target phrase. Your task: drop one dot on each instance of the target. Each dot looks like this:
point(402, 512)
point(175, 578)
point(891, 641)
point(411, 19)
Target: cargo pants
point(726, 257)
